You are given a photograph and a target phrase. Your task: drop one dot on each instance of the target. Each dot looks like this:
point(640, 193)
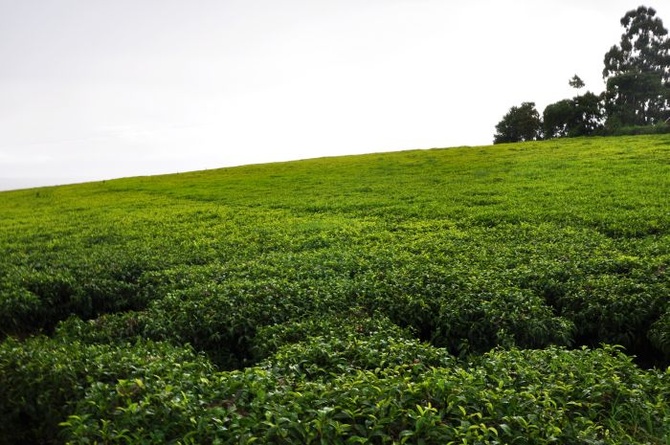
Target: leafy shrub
point(111, 329)
point(659, 334)
point(533, 397)
point(35, 298)
point(41, 379)
point(269, 339)
point(326, 357)
point(476, 323)
point(21, 311)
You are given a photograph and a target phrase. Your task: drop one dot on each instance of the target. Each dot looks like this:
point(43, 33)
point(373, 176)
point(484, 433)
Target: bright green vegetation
point(464, 295)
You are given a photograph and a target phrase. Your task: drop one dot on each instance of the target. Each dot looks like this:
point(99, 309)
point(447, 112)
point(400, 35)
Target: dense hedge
point(368, 387)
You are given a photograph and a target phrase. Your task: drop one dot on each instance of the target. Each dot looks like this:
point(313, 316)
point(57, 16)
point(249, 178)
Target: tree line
point(636, 98)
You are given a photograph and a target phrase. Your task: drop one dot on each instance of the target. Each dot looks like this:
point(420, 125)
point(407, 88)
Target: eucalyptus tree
point(637, 71)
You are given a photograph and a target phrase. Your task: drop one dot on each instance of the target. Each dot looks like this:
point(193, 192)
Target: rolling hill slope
point(441, 295)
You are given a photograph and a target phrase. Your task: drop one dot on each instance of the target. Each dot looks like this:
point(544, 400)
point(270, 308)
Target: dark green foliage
point(659, 334)
point(558, 118)
point(576, 82)
point(56, 286)
point(42, 379)
point(637, 72)
point(636, 99)
point(663, 128)
point(589, 114)
point(328, 357)
point(533, 397)
point(519, 124)
point(269, 339)
point(580, 116)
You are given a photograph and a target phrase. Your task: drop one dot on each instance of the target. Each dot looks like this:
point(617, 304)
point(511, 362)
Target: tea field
point(516, 294)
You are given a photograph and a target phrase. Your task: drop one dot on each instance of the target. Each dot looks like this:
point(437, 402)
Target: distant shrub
point(662, 128)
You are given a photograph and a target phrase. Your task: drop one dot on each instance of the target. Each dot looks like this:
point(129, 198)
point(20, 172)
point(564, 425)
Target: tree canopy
point(579, 116)
point(644, 46)
point(637, 94)
point(576, 82)
point(519, 124)
point(637, 71)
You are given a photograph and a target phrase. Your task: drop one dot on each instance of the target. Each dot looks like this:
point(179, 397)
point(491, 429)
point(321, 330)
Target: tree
point(580, 116)
point(519, 124)
point(637, 71)
point(557, 119)
point(589, 117)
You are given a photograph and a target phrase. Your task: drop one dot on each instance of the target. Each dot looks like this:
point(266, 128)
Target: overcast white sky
point(93, 89)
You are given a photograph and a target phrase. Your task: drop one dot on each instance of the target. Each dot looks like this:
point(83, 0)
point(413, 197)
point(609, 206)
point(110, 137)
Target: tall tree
point(519, 124)
point(637, 71)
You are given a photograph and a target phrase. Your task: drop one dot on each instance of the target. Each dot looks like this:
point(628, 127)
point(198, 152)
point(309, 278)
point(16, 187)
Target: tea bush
point(512, 396)
point(42, 379)
point(385, 298)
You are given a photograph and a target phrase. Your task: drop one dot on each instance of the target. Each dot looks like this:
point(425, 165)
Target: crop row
point(468, 291)
point(362, 387)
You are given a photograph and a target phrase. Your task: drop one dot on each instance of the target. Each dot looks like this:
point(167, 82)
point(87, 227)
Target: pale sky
point(93, 89)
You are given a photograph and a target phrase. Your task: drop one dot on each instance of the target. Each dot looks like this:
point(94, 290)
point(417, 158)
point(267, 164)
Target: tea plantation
point(516, 294)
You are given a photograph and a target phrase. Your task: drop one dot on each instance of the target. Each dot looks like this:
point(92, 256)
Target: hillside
point(462, 295)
